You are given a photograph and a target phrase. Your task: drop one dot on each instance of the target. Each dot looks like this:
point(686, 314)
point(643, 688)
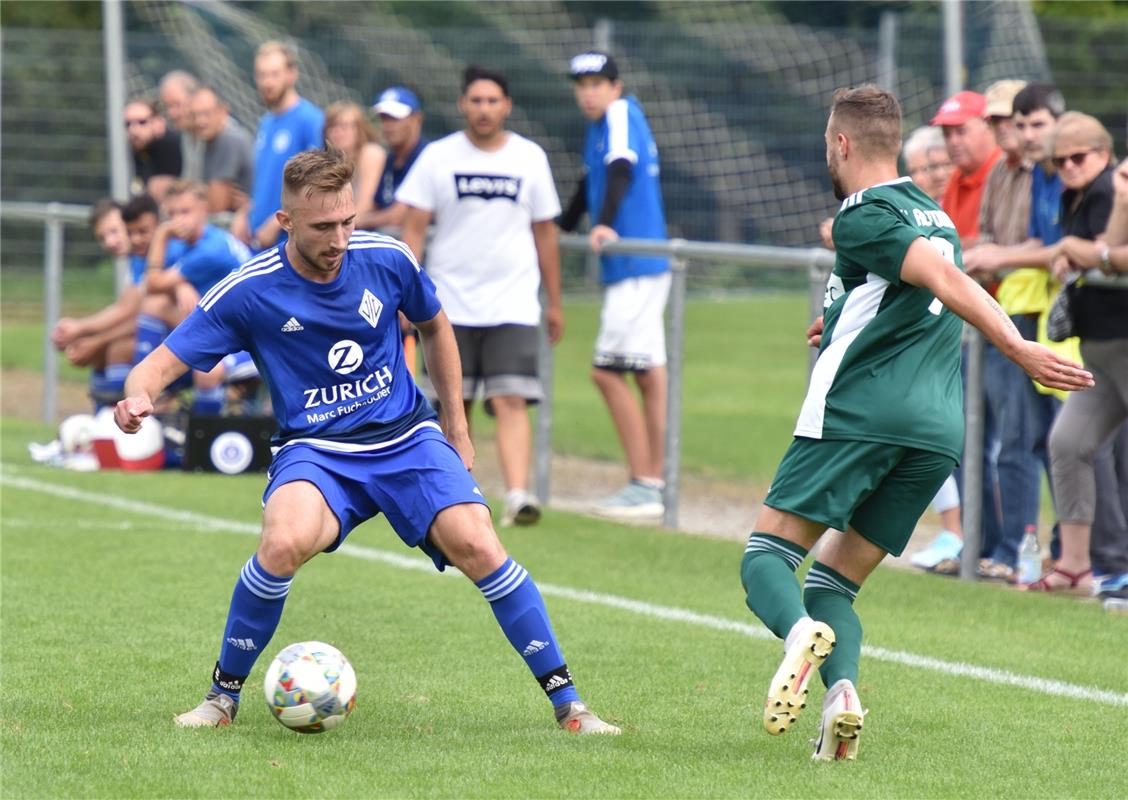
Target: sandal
point(1076, 582)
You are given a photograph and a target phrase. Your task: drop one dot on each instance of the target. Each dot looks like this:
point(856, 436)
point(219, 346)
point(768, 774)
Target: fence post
point(971, 492)
point(674, 360)
point(52, 294)
point(816, 296)
point(542, 443)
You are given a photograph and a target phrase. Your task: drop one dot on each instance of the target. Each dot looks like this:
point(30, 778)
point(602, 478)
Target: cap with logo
point(593, 62)
point(1000, 97)
point(961, 107)
point(397, 102)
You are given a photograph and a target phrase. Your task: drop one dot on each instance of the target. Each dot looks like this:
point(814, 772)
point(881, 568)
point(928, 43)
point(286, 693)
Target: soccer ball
point(310, 687)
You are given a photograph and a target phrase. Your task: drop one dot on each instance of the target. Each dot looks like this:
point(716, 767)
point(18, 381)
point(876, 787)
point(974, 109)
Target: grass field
point(114, 598)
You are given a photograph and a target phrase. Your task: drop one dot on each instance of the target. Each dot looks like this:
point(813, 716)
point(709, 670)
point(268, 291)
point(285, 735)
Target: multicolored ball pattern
point(310, 687)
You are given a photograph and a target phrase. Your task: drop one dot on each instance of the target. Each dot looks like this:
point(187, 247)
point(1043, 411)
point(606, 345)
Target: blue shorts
point(410, 483)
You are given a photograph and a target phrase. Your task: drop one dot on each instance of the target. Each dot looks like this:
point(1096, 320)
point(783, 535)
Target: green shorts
point(880, 490)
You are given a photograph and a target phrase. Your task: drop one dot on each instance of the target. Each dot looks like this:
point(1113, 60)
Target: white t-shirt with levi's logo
point(482, 257)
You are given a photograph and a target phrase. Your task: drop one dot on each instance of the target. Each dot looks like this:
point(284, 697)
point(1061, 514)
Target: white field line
point(668, 613)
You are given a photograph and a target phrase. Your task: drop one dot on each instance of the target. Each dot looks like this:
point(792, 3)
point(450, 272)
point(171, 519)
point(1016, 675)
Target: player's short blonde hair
point(318, 170)
point(870, 117)
point(188, 187)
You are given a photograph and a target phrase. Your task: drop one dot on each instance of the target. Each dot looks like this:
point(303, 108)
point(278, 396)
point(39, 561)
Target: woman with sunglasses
point(1092, 230)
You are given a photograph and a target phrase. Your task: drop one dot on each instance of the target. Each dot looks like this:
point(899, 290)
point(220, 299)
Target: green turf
point(111, 621)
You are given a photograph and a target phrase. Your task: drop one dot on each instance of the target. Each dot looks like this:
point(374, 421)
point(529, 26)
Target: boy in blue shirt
point(356, 437)
point(621, 192)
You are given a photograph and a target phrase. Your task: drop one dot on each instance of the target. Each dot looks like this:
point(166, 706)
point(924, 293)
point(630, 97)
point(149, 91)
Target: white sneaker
point(636, 500)
point(945, 546)
point(807, 646)
point(521, 508)
point(841, 724)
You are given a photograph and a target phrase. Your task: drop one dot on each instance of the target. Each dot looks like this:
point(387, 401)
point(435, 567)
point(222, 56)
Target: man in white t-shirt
point(492, 198)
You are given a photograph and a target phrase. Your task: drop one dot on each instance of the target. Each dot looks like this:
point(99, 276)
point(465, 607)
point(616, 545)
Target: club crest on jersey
point(345, 356)
point(487, 187)
point(370, 308)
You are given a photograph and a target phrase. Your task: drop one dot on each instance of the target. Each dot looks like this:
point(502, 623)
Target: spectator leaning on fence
point(103, 340)
point(290, 125)
point(348, 129)
point(401, 123)
point(621, 194)
point(228, 159)
point(175, 91)
point(1095, 236)
point(156, 149)
point(491, 195)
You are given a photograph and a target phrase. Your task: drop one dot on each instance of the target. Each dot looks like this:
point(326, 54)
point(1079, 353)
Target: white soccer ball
point(310, 687)
point(76, 433)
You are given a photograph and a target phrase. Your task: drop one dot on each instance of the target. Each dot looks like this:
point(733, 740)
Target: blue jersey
point(211, 257)
point(330, 353)
point(281, 136)
point(393, 176)
point(624, 133)
point(138, 264)
point(1045, 206)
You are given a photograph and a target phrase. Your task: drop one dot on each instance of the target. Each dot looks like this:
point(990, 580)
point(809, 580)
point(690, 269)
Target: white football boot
point(841, 724)
point(808, 644)
point(215, 711)
point(576, 717)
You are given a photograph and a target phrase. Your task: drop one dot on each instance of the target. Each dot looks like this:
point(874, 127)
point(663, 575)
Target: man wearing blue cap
point(401, 122)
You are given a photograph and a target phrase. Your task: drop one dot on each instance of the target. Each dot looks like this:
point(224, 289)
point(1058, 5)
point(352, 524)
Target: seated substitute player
point(356, 436)
point(881, 427)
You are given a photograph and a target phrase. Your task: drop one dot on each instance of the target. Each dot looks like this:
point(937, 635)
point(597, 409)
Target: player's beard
point(835, 180)
point(318, 262)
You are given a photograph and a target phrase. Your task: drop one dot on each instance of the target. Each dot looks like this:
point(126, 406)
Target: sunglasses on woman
point(1077, 159)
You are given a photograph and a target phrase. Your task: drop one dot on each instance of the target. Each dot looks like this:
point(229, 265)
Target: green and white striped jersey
point(889, 366)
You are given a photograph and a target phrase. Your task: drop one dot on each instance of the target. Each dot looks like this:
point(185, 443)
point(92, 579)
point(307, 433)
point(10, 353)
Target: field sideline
point(114, 589)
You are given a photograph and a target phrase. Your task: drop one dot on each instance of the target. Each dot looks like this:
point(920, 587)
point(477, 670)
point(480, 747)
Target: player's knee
point(477, 552)
point(281, 552)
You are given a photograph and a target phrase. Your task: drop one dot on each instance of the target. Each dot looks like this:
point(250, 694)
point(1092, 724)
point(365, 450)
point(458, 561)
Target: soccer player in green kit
point(882, 424)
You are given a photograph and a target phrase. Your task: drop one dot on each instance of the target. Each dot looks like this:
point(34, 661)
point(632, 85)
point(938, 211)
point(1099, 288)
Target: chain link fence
point(736, 94)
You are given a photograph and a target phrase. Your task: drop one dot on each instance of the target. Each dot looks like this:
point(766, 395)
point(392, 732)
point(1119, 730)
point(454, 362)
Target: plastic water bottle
point(1116, 605)
point(1029, 557)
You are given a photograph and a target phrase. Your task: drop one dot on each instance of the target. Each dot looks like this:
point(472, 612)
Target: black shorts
point(501, 360)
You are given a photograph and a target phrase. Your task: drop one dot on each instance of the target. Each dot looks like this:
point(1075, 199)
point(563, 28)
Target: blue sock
point(256, 607)
point(208, 402)
point(519, 608)
point(150, 333)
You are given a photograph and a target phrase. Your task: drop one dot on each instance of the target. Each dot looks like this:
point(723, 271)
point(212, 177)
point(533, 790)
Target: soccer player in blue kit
point(356, 436)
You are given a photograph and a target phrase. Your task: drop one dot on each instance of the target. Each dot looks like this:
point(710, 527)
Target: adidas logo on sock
point(242, 644)
point(534, 646)
point(556, 682)
point(292, 325)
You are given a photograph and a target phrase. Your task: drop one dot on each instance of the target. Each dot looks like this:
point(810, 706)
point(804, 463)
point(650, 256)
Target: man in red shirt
point(972, 148)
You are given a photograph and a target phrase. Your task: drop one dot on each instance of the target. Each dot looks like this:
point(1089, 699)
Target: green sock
point(829, 598)
point(768, 574)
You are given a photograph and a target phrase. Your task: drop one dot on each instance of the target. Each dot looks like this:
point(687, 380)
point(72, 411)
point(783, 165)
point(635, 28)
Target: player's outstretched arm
point(145, 382)
point(440, 353)
point(924, 266)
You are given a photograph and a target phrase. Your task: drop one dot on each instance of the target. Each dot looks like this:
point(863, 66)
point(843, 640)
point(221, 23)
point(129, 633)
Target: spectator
point(228, 158)
point(973, 151)
point(209, 253)
point(347, 129)
point(1082, 153)
point(156, 149)
point(494, 203)
point(620, 192)
point(926, 160)
point(175, 90)
point(103, 340)
point(1023, 414)
point(401, 122)
point(290, 125)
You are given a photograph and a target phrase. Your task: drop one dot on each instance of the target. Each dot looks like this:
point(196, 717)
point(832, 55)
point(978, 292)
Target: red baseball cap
point(961, 107)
